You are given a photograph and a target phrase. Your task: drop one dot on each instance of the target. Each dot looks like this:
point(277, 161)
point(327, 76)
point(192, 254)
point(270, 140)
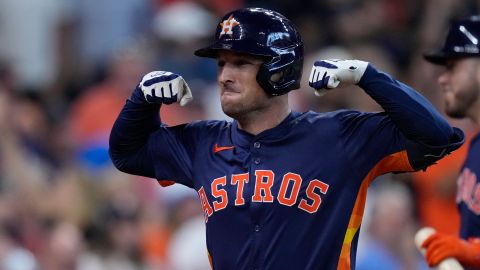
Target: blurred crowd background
point(66, 68)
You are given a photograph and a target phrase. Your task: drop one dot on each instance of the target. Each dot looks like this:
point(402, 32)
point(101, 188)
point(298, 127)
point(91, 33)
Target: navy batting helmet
point(462, 41)
point(263, 33)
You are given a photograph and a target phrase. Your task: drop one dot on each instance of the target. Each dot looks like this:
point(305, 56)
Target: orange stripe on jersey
point(210, 260)
point(394, 162)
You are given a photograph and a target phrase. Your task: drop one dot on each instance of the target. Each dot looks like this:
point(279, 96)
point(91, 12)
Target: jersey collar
point(244, 139)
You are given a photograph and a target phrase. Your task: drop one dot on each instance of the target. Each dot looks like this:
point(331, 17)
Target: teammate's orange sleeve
point(441, 246)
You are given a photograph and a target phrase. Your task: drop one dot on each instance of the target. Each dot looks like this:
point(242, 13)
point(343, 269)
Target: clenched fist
point(328, 74)
point(163, 87)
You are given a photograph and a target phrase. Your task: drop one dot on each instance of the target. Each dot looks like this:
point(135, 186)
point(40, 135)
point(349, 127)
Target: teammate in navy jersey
point(460, 83)
point(279, 189)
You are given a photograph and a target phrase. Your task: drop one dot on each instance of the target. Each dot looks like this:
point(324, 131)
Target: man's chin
point(230, 103)
point(231, 111)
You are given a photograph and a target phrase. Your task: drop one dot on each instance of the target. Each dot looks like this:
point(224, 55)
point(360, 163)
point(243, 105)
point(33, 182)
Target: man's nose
point(225, 74)
point(443, 78)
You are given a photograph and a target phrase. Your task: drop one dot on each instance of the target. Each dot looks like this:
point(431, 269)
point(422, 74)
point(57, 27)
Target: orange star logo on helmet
point(227, 26)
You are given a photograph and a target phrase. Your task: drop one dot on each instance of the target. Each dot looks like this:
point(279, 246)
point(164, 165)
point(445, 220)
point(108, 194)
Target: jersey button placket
point(256, 230)
point(256, 145)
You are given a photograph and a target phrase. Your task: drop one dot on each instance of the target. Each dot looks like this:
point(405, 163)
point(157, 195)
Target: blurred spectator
point(178, 37)
point(24, 155)
point(63, 247)
point(185, 253)
point(155, 235)
point(106, 26)
point(387, 239)
point(92, 114)
point(29, 34)
point(12, 255)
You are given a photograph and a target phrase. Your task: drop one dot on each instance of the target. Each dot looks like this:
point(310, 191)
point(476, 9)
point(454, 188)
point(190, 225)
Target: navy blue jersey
point(291, 197)
point(468, 193)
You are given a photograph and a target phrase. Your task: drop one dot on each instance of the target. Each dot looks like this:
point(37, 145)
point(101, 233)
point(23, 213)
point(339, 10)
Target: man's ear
point(276, 77)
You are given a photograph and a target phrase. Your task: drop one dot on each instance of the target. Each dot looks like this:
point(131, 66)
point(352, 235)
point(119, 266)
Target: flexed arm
point(139, 118)
point(429, 136)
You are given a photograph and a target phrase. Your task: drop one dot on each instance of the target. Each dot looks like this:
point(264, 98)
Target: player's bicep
point(136, 162)
point(372, 138)
point(170, 151)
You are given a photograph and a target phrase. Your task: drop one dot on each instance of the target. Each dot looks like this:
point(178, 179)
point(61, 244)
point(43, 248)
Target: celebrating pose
point(280, 189)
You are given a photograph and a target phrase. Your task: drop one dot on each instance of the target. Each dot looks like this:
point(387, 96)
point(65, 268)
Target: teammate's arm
point(130, 150)
point(429, 136)
point(441, 246)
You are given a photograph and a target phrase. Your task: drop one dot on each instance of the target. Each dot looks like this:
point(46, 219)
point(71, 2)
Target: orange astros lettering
point(290, 192)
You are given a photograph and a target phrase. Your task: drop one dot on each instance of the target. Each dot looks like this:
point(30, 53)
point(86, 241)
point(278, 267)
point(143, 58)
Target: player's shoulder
point(209, 126)
point(338, 115)
point(341, 119)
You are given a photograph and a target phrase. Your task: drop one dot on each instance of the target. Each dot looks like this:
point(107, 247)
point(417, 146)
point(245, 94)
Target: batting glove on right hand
point(163, 87)
point(442, 246)
point(329, 74)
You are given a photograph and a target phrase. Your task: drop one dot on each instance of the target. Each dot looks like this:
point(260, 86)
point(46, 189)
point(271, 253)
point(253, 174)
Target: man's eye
point(242, 63)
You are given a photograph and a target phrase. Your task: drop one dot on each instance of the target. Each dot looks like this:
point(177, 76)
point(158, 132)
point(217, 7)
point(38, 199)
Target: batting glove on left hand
point(163, 87)
point(329, 74)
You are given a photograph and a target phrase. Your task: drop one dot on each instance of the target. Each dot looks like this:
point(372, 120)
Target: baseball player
point(460, 83)
point(279, 189)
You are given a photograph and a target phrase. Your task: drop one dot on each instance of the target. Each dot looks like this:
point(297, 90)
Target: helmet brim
point(240, 46)
point(441, 57)
point(437, 57)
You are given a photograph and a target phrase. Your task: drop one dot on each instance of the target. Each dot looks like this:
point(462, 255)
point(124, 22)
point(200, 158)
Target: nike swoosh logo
point(217, 148)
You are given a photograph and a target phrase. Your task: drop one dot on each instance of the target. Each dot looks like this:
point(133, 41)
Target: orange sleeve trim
point(166, 183)
point(394, 162)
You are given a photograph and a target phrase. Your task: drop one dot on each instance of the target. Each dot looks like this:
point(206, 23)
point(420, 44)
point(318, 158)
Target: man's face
point(460, 83)
point(240, 93)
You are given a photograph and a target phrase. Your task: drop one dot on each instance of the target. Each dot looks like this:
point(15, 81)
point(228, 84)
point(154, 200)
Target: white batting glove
point(163, 87)
point(328, 74)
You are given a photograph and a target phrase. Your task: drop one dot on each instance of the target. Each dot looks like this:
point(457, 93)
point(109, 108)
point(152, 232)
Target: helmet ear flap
point(278, 79)
point(263, 79)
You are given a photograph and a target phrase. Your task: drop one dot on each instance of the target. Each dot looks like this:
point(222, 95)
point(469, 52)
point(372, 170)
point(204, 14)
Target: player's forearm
point(129, 135)
point(414, 115)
